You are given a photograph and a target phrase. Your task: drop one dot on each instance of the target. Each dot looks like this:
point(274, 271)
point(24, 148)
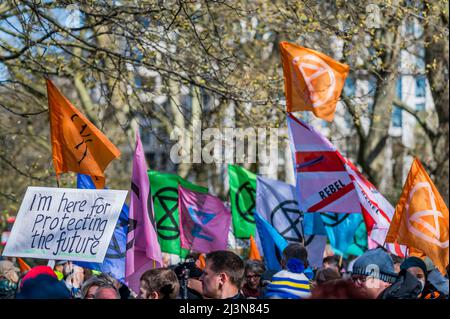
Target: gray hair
point(102, 280)
point(254, 266)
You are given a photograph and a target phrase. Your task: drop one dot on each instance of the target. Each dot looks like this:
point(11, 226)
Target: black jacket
point(405, 287)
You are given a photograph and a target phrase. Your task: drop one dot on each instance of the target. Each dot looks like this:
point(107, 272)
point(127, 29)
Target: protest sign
point(65, 223)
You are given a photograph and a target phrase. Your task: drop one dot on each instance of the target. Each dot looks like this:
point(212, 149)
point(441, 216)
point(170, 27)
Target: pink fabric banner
point(204, 221)
point(143, 251)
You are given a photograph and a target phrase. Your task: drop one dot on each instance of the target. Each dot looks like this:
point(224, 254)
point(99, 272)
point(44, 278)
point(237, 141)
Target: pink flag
point(204, 221)
point(143, 251)
point(327, 182)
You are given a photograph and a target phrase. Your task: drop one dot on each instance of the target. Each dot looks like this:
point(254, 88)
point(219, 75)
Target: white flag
point(277, 203)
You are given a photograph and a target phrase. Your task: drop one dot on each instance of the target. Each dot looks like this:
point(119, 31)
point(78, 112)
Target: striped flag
point(329, 183)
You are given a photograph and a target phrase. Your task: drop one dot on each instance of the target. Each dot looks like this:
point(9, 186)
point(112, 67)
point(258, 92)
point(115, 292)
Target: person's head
point(253, 271)
point(325, 275)
point(36, 271)
point(416, 267)
point(107, 292)
point(223, 275)
point(331, 262)
point(338, 289)
point(397, 262)
point(90, 286)
point(8, 271)
point(43, 286)
point(160, 283)
point(374, 271)
point(294, 251)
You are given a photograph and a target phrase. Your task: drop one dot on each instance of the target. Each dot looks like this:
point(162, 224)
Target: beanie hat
point(43, 286)
point(36, 271)
point(414, 262)
point(375, 262)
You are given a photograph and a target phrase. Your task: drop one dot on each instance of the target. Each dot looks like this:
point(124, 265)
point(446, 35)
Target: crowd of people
point(224, 275)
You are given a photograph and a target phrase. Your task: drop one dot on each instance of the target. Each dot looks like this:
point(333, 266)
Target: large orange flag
point(253, 253)
point(312, 80)
point(78, 146)
point(421, 218)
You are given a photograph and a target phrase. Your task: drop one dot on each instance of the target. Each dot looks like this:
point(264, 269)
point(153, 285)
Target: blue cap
point(376, 263)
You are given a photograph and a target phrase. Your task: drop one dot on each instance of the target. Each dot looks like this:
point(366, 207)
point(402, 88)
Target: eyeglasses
point(252, 276)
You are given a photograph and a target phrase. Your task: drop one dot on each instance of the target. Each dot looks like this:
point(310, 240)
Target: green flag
point(243, 200)
point(164, 188)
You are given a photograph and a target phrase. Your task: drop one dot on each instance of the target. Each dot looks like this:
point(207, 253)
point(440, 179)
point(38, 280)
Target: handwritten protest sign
point(65, 223)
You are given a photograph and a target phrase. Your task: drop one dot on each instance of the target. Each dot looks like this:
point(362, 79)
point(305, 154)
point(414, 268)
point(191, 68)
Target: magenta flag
point(143, 251)
point(204, 221)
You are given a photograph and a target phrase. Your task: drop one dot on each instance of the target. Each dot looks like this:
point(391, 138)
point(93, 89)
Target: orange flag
point(201, 262)
point(23, 266)
point(414, 252)
point(312, 80)
point(253, 253)
point(421, 218)
point(78, 146)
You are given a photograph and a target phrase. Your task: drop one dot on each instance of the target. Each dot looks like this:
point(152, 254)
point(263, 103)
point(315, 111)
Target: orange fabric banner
point(312, 80)
point(253, 253)
point(23, 266)
point(201, 262)
point(421, 218)
point(77, 145)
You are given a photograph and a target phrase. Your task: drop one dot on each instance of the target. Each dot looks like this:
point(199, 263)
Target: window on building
point(397, 117)
point(420, 86)
point(420, 107)
point(420, 59)
point(398, 88)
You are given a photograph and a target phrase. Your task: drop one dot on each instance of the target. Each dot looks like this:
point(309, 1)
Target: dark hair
point(229, 263)
point(255, 266)
point(326, 275)
point(161, 280)
point(295, 250)
point(332, 260)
